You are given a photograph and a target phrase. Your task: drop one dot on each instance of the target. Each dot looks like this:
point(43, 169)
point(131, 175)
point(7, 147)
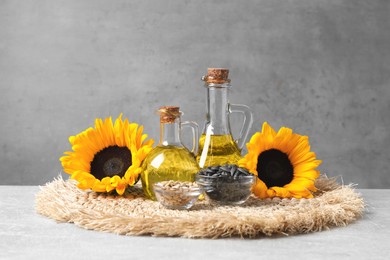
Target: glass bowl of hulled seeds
point(226, 184)
point(177, 194)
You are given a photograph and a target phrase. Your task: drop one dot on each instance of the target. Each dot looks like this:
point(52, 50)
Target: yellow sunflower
point(107, 157)
point(283, 163)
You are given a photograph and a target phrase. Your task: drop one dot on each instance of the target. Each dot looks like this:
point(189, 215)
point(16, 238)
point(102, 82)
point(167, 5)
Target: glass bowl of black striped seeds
point(226, 184)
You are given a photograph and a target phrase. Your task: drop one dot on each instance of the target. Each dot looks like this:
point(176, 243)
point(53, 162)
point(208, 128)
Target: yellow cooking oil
point(217, 150)
point(167, 163)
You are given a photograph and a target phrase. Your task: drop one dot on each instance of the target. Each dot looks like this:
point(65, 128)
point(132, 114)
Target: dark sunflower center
point(110, 161)
point(274, 168)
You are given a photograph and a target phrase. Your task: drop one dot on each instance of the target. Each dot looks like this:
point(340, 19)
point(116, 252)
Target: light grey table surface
point(24, 234)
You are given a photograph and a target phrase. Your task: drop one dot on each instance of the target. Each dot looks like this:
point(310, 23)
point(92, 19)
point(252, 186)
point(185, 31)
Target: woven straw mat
point(332, 205)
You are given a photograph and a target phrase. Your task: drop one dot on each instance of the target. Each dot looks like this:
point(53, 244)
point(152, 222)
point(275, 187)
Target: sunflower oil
point(217, 150)
point(217, 145)
point(170, 159)
point(167, 163)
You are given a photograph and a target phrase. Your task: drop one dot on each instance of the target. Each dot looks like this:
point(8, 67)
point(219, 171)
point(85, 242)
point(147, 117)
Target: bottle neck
point(217, 119)
point(170, 134)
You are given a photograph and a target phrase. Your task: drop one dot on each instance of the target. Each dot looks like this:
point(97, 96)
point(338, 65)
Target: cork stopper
point(217, 76)
point(168, 114)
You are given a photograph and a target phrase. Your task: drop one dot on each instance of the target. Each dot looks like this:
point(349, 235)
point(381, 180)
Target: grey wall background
point(319, 67)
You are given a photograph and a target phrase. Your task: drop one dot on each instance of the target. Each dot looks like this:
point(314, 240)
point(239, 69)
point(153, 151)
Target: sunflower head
point(108, 157)
point(283, 163)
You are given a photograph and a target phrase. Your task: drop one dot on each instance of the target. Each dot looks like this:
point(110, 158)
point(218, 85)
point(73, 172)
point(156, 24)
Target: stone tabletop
point(24, 234)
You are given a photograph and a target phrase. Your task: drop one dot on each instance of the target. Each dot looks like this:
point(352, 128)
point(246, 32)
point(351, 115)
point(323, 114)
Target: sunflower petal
point(260, 189)
point(303, 167)
point(278, 192)
point(311, 174)
point(268, 130)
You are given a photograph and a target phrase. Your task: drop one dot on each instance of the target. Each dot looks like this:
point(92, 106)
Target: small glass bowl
point(226, 190)
point(176, 197)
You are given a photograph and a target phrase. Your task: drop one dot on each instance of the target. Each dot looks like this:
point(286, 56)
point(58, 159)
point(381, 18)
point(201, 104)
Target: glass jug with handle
point(170, 159)
point(216, 144)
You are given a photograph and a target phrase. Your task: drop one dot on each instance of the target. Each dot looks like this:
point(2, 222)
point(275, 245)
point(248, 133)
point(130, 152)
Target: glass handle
point(248, 121)
point(195, 134)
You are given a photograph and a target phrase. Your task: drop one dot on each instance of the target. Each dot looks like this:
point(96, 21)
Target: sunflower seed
point(224, 168)
point(233, 170)
point(243, 170)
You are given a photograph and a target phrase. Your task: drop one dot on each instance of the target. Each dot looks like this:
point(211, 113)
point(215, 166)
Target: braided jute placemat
point(332, 205)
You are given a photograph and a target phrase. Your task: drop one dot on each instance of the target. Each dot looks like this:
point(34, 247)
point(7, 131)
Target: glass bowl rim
point(157, 187)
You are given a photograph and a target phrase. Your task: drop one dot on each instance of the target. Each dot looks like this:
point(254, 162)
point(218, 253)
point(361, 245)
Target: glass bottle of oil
point(216, 144)
point(170, 159)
